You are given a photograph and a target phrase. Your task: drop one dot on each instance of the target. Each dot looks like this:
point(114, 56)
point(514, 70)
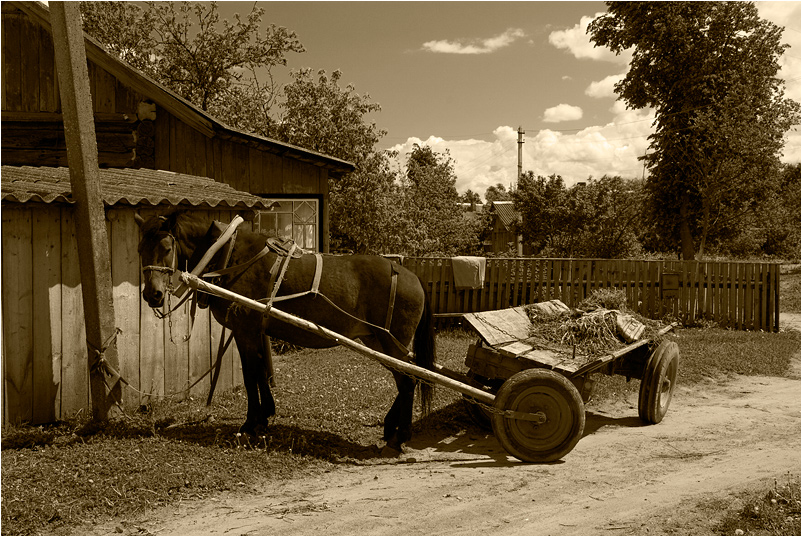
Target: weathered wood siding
point(44, 347)
point(743, 296)
point(33, 132)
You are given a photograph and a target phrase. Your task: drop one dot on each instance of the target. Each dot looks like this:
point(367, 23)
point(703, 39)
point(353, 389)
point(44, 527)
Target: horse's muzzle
point(154, 297)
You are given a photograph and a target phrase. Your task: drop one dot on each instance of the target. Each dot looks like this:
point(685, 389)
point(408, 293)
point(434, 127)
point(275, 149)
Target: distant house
point(503, 236)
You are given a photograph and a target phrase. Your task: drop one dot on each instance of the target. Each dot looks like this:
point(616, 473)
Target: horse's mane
point(178, 222)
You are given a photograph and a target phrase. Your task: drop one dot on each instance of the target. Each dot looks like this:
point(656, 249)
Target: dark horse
point(359, 285)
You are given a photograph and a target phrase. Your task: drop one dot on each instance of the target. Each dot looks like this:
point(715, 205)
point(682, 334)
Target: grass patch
point(790, 290)
point(330, 403)
point(710, 353)
point(776, 512)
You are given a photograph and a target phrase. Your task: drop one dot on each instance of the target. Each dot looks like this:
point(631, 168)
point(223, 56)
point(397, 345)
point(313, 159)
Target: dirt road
point(622, 478)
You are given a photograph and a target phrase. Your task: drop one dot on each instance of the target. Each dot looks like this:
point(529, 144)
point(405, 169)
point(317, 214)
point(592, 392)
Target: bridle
point(170, 270)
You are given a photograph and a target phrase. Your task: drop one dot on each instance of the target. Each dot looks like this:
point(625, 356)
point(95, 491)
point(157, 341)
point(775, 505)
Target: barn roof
point(25, 184)
point(180, 107)
point(506, 213)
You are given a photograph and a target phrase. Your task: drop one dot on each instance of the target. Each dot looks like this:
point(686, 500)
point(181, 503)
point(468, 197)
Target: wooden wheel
point(480, 415)
point(550, 420)
point(658, 382)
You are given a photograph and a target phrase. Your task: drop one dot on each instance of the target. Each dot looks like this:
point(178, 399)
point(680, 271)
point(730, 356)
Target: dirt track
point(622, 478)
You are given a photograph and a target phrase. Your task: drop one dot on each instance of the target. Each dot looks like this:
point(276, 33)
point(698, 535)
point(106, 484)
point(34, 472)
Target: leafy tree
point(320, 115)
point(435, 222)
point(709, 71)
point(186, 48)
point(366, 215)
point(597, 219)
point(125, 29)
point(607, 214)
point(470, 197)
point(497, 193)
point(773, 228)
point(542, 203)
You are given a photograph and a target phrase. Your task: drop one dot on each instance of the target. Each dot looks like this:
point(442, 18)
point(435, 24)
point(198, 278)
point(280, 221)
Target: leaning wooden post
point(90, 224)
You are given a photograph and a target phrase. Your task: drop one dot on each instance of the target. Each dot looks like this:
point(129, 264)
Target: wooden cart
point(537, 414)
point(530, 378)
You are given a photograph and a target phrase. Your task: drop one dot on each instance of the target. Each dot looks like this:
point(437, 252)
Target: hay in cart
point(599, 325)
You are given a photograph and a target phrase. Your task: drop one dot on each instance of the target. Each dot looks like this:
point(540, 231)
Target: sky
point(464, 76)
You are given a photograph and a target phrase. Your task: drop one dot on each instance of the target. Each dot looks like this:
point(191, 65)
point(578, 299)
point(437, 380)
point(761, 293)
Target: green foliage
point(366, 209)
point(597, 219)
point(209, 62)
point(320, 115)
point(434, 221)
point(497, 193)
point(709, 71)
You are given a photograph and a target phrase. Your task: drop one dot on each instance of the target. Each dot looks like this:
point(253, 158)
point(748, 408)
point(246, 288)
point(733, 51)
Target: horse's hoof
point(247, 428)
point(389, 452)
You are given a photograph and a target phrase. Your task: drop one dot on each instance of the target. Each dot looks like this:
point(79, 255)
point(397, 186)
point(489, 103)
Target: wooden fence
point(743, 296)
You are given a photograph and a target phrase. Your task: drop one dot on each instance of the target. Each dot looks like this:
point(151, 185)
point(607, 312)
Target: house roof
point(25, 184)
point(506, 213)
point(180, 107)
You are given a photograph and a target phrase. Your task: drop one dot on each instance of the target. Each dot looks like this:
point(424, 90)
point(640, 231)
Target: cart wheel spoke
point(539, 391)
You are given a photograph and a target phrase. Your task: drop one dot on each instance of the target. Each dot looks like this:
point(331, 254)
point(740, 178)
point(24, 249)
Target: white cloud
point(611, 149)
point(562, 112)
point(475, 46)
point(604, 88)
point(577, 42)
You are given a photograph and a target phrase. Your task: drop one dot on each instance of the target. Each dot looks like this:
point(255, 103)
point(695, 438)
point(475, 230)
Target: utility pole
point(90, 224)
point(521, 133)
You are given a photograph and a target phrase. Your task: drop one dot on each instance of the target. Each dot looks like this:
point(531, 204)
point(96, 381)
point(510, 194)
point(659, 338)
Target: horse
point(355, 294)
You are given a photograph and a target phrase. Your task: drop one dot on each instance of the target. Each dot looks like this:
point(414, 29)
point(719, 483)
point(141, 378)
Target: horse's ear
point(138, 219)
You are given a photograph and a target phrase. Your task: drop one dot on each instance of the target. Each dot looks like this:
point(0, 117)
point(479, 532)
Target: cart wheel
point(555, 398)
point(658, 382)
point(479, 414)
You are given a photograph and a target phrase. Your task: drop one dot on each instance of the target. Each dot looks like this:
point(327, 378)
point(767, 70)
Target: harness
point(286, 251)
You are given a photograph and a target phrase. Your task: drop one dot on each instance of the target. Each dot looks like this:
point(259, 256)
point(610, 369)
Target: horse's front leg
point(261, 405)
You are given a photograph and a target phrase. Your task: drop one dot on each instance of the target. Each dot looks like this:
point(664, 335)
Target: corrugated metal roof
point(125, 187)
point(506, 213)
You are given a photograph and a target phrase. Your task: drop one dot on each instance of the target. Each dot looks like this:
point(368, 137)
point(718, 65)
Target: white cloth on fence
point(469, 271)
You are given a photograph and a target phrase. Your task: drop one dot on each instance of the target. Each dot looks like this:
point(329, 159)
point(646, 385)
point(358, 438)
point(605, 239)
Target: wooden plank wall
point(743, 296)
point(33, 133)
point(44, 346)
point(183, 149)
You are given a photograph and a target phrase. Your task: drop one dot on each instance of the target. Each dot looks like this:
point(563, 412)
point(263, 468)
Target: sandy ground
point(717, 440)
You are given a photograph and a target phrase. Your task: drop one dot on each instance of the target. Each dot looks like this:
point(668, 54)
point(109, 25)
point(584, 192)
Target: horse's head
point(158, 253)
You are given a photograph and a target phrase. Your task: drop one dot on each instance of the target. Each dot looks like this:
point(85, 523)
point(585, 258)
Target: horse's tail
point(425, 354)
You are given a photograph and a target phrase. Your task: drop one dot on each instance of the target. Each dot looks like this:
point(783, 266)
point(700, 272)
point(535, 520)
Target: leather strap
point(393, 288)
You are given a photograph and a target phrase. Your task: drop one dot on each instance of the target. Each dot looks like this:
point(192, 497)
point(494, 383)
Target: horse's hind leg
point(261, 405)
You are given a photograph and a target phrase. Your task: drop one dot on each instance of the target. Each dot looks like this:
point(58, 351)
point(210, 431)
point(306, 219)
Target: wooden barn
point(44, 347)
point(141, 124)
point(156, 151)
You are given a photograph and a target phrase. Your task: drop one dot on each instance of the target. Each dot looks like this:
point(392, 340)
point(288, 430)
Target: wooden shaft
point(393, 363)
point(207, 257)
